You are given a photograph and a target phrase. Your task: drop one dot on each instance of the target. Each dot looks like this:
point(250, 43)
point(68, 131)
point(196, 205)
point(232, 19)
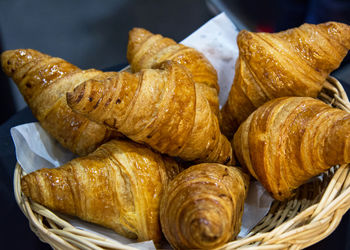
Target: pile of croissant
point(157, 157)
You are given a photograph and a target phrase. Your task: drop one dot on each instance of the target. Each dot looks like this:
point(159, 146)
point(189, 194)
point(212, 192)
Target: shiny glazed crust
point(203, 206)
point(159, 107)
point(295, 62)
point(289, 140)
point(147, 50)
point(118, 186)
point(43, 81)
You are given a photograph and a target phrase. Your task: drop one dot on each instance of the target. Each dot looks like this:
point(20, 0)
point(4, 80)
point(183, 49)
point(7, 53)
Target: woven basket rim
point(306, 225)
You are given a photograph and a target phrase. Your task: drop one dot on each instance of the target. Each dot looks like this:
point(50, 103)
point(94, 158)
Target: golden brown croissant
point(159, 107)
point(118, 186)
point(147, 50)
point(202, 207)
point(288, 140)
point(43, 81)
point(294, 62)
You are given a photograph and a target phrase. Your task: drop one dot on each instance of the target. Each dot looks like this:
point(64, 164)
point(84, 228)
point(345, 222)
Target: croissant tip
point(6, 61)
point(138, 30)
point(136, 37)
point(244, 35)
point(340, 32)
point(14, 59)
point(205, 230)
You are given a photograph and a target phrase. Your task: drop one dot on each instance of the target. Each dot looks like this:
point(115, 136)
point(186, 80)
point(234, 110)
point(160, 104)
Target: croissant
point(295, 62)
point(288, 140)
point(118, 186)
point(147, 50)
point(202, 207)
point(158, 107)
point(43, 81)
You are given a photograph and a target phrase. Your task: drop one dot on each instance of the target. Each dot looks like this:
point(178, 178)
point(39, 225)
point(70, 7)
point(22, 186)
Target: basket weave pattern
point(309, 217)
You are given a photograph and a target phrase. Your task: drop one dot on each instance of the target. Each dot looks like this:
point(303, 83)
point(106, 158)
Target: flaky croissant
point(294, 62)
point(288, 140)
point(202, 207)
point(159, 107)
point(118, 186)
point(43, 81)
point(147, 50)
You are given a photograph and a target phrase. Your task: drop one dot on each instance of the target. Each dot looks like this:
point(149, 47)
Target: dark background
point(93, 34)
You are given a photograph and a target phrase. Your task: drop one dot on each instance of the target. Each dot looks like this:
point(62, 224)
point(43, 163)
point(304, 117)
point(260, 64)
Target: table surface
point(15, 229)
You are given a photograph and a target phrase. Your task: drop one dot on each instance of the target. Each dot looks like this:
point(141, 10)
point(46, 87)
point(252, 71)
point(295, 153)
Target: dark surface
point(15, 232)
point(6, 98)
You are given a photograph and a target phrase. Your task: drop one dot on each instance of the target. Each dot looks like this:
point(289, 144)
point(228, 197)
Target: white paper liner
point(216, 39)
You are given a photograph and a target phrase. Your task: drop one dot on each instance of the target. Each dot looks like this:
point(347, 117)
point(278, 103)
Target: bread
point(119, 186)
point(289, 140)
point(295, 62)
point(43, 81)
point(202, 207)
point(158, 107)
point(147, 50)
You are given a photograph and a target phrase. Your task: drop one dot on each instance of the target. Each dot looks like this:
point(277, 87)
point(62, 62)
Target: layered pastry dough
point(203, 206)
point(160, 107)
point(288, 140)
point(295, 62)
point(43, 81)
point(147, 50)
point(119, 186)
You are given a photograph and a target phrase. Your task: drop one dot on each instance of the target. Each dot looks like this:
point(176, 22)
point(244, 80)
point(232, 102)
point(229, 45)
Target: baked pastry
point(159, 107)
point(118, 186)
point(295, 62)
point(289, 140)
point(43, 81)
point(202, 207)
point(147, 50)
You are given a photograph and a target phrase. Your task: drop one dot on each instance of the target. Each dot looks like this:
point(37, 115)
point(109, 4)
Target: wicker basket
point(312, 215)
